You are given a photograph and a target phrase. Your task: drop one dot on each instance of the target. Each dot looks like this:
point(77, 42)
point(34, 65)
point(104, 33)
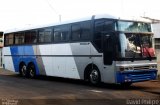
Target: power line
point(151, 19)
point(53, 9)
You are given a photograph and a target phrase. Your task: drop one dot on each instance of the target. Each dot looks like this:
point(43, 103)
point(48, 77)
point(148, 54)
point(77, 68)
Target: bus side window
point(65, 33)
point(57, 35)
point(76, 32)
point(9, 39)
point(30, 37)
point(19, 38)
point(99, 28)
point(41, 36)
point(102, 26)
point(45, 35)
point(33, 37)
point(48, 35)
point(61, 33)
point(86, 30)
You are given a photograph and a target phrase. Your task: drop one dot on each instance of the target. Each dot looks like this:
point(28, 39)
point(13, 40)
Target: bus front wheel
point(94, 76)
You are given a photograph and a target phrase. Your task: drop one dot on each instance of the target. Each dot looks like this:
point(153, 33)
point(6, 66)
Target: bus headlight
point(121, 69)
point(153, 67)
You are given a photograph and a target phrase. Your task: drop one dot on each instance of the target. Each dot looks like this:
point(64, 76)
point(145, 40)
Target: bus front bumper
point(136, 75)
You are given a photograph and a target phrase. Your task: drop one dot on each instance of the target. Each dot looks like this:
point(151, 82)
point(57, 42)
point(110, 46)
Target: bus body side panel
point(85, 53)
point(66, 60)
point(82, 56)
point(107, 71)
point(8, 61)
point(17, 53)
point(45, 59)
point(58, 60)
point(39, 60)
point(108, 74)
point(60, 52)
point(70, 60)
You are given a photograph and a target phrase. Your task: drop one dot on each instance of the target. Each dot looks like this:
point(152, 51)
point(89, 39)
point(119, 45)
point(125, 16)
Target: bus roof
point(29, 27)
point(67, 22)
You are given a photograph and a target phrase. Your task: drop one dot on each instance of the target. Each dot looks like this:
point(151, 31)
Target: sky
point(22, 13)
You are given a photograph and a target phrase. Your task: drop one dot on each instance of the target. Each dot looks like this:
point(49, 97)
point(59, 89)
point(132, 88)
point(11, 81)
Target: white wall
point(156, 30)
point(1, 62)
point(158, 61)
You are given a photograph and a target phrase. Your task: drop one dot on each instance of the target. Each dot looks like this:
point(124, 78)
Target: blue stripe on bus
point(14, 51)
point(136, 76)
point(23, 50)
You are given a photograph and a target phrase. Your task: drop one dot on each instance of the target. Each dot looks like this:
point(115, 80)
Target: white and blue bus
point(96, 49)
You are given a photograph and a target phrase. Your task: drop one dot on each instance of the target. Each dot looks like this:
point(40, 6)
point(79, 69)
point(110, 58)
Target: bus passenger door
point(108, 47)
point(108, 57)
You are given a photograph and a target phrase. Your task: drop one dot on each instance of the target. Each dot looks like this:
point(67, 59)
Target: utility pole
point(60, 18)
point(54, 10)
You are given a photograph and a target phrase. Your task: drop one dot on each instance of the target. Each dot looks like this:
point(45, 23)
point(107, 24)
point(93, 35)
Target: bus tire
point(31, 70)
point(94, 76)
point(23, 70)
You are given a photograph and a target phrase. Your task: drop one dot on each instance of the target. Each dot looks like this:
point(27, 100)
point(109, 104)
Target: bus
point(100, 48)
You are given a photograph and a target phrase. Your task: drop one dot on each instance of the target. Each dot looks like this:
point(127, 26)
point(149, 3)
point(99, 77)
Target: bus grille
point(141, 68)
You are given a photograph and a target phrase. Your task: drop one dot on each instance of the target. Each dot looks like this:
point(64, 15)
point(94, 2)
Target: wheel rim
point(94, 76)
point(31, 72)
point(24, 70)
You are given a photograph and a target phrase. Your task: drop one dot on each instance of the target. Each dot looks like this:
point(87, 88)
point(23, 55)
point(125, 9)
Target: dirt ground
point(51, 90)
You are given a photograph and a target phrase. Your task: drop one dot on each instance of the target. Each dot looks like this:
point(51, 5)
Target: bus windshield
point(136, 45)
point(135, 40)
point(133, 26)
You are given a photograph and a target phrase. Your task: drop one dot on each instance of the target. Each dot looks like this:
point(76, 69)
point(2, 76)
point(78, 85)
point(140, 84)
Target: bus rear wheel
point(23, 70)
point(94, 76)
point(31, 71)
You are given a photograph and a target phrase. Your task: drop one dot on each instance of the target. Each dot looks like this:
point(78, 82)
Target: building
point(156, 30)
point(1, 47)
